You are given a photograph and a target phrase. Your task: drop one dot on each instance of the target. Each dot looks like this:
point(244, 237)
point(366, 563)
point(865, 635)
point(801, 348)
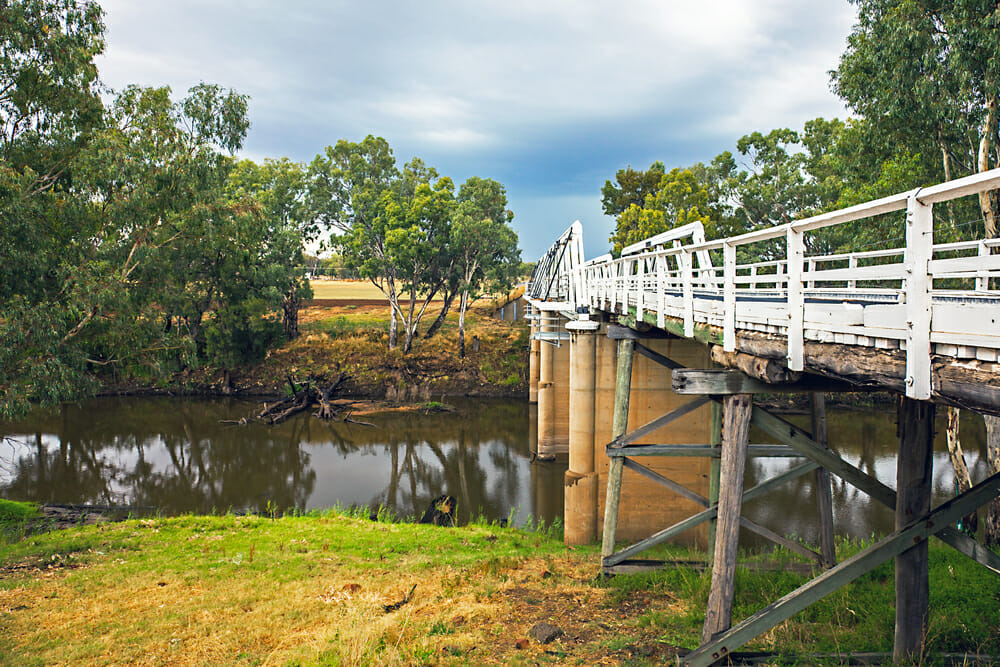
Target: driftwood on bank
point(302, 398)
point(305, 396)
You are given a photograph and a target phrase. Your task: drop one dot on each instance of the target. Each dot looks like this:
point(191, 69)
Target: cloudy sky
point(548, 97)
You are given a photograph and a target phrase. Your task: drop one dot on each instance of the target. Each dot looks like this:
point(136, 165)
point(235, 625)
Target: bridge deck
point(924, 301)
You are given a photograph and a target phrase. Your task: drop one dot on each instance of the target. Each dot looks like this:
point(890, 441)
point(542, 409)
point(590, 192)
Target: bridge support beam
point(913, 500)
point(533, 352)
point(546, 394)
point(581, 480)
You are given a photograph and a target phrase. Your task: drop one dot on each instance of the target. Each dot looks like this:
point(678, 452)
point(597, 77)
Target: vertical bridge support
point(915, 522)
point(581, 480)
point(623, 387)
point(735, 435)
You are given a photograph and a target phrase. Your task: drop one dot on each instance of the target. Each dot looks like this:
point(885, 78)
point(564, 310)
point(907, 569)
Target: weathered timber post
point(913, 500)
point(824, 492)
point(713, 471)
point(580, 508)
point(736, 410)
point(546, 384)
point(623, 386)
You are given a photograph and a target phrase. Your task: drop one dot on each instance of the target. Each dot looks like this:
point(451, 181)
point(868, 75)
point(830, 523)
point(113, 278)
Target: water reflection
point(174, 454)
point(868, 441)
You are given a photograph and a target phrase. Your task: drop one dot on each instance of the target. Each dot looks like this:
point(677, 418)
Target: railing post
point(919, 247)
point(623, 284)
point(852, 263)
point(640, 279)
point(983, 277)
point(729, 297)
point(794, 253)
point(687, 269)
point(661, 290)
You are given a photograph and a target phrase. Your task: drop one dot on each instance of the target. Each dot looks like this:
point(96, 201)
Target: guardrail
point(883, 298)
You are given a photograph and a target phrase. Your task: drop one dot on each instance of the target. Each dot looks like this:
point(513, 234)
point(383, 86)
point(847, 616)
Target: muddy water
point(176, 456)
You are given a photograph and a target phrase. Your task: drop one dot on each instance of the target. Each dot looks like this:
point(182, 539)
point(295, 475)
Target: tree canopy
point(134, 245)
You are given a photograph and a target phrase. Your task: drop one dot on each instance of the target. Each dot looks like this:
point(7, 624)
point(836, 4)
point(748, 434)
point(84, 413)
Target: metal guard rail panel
point(922, 297)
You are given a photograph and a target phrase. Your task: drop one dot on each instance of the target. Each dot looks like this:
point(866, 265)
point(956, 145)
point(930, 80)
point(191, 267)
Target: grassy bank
point(324, 590)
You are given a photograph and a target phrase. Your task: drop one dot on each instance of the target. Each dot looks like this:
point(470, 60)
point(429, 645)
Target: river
point(175, 455)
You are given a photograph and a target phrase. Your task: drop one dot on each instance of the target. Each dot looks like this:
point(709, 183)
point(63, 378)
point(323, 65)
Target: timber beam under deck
point(965, 383)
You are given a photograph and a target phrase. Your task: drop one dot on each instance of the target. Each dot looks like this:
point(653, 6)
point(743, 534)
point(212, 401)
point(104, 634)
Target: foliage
point(405, 230)
point(122, 246)
point(679, 198)
point(632, 189)
point(484, 247)
point(924, 76)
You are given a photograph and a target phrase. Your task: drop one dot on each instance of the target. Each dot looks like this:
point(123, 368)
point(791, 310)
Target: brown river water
point(174, 455)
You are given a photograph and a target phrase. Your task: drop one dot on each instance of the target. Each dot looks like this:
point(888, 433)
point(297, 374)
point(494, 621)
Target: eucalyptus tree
point(679, 198)
point(391, 226)
point(483, 244)
point(347, 189)
point(925, 74)
point(49, 105)
point(417, 241)
point(631, 188)
point(275, 190)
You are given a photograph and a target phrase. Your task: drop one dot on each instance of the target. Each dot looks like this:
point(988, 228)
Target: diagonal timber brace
point(795, 437)
point(930, 524)
point(705, 515)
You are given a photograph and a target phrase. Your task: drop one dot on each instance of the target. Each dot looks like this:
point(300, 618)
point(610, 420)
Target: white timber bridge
point(679, 333)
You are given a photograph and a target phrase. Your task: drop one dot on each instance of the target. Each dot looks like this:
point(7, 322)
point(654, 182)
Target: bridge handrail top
point(693, 229)
point(960, 187)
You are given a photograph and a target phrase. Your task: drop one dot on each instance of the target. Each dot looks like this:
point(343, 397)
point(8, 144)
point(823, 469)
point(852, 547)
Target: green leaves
point(405, 230)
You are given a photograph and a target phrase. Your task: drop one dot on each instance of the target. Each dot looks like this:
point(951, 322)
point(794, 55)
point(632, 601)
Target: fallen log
point(305, 396)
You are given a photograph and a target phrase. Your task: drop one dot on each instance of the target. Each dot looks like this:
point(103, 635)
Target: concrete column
point(581, 480)
point(546, 385)
point(647, 507)
point(533, 364)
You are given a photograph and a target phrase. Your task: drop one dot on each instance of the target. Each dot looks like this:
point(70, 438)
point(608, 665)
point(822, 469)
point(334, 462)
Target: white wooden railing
point(556, 276)
point(890, 299)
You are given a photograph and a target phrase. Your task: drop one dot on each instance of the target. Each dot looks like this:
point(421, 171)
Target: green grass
point(964, 607)
point(311, 590)
point(16, 512)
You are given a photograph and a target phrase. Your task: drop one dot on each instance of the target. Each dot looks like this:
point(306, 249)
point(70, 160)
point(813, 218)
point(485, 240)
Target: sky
point(550, 98)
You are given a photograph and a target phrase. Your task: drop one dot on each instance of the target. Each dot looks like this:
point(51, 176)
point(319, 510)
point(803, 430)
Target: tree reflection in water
point(173, 454)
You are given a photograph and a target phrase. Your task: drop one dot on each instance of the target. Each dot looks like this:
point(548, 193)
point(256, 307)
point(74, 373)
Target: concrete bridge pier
point(533, 352)
point(553, 390)
point(581, 480)
point(645, 506)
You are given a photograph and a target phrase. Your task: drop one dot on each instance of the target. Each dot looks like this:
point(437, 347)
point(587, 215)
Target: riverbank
point(337, 588)
point(352, 338)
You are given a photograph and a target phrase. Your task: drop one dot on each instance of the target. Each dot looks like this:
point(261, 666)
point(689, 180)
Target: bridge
point(679, 333)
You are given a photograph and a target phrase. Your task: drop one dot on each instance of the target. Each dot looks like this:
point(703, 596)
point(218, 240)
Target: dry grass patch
point(307, 591)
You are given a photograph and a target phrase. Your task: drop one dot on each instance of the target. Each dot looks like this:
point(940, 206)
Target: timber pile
point(306, 396)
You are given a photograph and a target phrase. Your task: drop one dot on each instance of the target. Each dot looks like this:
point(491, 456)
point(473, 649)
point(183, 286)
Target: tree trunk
point(290, 308)
point(436, 324)
point(983, 164)
point(946, 163)
point(993, 457)
point(463, 304)
point(962, 477)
